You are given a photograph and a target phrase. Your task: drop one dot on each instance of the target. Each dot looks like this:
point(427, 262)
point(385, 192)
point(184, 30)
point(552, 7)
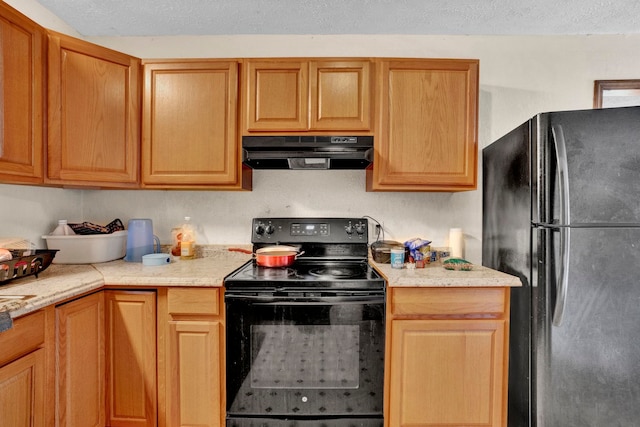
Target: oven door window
point(305, 358)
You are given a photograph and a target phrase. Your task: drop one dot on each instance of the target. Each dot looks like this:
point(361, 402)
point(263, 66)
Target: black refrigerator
point(561, 210)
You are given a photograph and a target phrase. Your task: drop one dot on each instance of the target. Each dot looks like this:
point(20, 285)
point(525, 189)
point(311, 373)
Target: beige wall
point(519, 77)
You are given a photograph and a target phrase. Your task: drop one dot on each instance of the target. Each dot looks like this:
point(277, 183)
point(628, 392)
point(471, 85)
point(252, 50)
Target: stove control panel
point(310, 230)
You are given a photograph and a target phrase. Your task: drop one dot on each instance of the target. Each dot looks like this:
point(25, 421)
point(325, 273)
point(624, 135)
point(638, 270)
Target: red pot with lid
point(274, 256)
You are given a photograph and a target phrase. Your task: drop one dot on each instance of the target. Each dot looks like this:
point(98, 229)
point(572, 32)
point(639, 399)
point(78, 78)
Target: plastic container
point(88, 249)
point(63, 229)
point(187, 240)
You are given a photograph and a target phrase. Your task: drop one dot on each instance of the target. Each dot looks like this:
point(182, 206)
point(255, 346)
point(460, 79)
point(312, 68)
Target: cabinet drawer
point(448, 302)
point(26, 335)
point(194, 301)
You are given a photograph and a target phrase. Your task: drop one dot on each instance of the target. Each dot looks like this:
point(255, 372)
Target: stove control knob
point(360, 228)
point(259, 229)
point(348, 229)
point(270, 229)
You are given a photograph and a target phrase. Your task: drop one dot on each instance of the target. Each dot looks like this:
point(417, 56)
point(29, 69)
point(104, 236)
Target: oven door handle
point(306, 300)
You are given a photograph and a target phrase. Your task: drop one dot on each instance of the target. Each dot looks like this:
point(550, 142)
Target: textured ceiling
point(442, 17)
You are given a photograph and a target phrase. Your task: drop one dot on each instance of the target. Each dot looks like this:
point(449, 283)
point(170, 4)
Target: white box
point(88, 249)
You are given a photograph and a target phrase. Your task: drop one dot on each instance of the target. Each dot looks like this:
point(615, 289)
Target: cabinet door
point(276, 95)
point(22, 396)
point(428, 126)
point(131, 358)
point(190, 121)
point(80, 365)
point(196, 373)
point(94, 115)
point(21, 98)
point(340, 95)
point(191, 366)
point(446, 372)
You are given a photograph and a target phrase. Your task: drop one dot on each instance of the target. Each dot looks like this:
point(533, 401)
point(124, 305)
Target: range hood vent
point(307, 152)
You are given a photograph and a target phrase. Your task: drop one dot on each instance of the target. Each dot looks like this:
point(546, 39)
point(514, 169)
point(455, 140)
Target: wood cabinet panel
point(131, 358)
point(448, 302)
point(341, 95)
point(276, 95)
point(94, 114)
point(191, 357)
point(194, 301)
point(446, 372)
point(196, 368)
point(22, 396)
point(446, 357)
point(22, 74)
point(190, 125)
point(428, 126)
point(27, 334)
point(288, 95)
point(80, 362)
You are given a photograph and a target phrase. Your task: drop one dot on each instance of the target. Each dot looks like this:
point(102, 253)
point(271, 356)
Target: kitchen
point(515, 84)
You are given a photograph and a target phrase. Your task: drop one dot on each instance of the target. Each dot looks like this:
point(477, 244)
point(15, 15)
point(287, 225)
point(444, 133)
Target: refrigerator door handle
point(565, 233)
point(563, 279)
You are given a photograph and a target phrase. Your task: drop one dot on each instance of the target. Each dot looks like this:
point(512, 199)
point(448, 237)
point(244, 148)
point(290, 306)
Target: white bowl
point(88, 249)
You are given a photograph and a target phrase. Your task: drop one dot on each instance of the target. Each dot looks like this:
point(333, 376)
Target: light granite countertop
point(61, 282)
point(434, 275)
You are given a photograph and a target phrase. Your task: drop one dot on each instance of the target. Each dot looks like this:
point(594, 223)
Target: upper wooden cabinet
point(94, 115)
point(289, 95)
point(190, 137)
point(22, 54)
point(427, 136)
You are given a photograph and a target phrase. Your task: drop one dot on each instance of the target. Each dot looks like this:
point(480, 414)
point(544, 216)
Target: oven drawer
point(203, 301)
point(448, 302)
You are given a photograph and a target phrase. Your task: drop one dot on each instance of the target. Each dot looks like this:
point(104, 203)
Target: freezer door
point(592, 157)
point(587, 367)
point(506, 246)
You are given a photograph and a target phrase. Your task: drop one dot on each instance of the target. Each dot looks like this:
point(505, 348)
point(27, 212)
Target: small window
point(616, 93)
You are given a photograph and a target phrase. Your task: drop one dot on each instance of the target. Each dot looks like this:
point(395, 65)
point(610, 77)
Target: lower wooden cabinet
point(192, 371)
point(106, 360)
point(131, 358)
point(24, 396)
point(80, 362)
point(447, 355)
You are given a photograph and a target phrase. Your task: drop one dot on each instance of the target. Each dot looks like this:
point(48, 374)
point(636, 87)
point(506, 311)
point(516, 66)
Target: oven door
point(305, 356)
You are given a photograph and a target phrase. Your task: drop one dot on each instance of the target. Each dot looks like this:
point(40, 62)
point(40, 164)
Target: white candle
point(456, 242)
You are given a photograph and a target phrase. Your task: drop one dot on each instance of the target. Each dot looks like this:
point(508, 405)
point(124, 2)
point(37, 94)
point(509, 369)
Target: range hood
point(307, 152)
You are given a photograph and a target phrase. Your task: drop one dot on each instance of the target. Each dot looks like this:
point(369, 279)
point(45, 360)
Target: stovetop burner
point(337, 272)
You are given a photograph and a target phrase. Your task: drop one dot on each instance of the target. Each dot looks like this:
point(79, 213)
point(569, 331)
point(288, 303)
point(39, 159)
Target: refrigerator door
point(593, 157)
point(586, 368)
point(506, 246)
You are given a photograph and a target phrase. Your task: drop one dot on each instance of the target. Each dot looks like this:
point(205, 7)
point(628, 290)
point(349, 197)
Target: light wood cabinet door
point(22, 61)
point(276, 95)
point(192, 362)
point(196, 367)
point(287, 95)
point(446, 372)
point(22, 396)
point(93, 115)
point(131, 358)
point(80, 364)
point(427, 139)
point(341, 95)
point(190, 137)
